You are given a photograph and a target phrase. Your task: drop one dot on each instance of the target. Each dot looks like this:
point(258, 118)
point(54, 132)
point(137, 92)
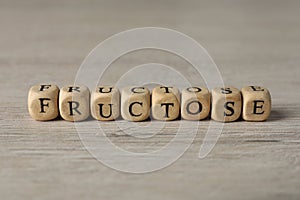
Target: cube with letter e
point(256, 103)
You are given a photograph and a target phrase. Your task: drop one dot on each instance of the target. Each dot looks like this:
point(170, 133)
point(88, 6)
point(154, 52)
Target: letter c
point(130, 108)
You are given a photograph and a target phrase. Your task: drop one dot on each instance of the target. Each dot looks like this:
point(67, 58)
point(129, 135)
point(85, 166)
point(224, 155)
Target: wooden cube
point(135, 103)
point(74, 103)
point(165, 103)
point(195, 103)
point(105, 103)
point(226, 104)
point(43, 102)
point(256, 103)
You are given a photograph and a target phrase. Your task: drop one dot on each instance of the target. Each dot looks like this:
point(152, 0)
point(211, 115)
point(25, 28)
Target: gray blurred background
point(251, 41)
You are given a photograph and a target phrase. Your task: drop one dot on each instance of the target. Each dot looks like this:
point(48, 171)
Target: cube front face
point(74, 103)
point(256, 103)
point(135, 103)
point(195, 103)
point(226, 104)
point(165, 103)
point(43, 102)
point(105, 103)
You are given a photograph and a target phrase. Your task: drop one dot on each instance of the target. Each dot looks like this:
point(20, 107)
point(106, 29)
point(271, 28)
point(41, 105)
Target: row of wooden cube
point(74, 103)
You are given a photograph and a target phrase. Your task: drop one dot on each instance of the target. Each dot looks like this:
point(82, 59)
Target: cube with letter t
point(165, 103)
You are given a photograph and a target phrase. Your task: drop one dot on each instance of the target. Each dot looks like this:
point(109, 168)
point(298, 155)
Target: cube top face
point(165, 103)
point(74, 103)
point(226, 104)
point(256, 103)
point(105, 103)
point(200, 92)
point(195, 103)
point(228, 92)
point(106, 94)
point(43, 89)
point(135, 103)
point(135, 91)
point(75, 91)
point(166, 91)
point(43, 102)
point(105, 90)
point(256, 91)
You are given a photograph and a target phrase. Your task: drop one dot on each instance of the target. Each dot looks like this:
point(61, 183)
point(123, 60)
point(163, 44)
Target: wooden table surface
point(252, 42)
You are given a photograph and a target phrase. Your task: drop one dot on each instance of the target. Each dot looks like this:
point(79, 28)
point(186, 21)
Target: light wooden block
point(256, 103)
point(135, 103)
point(226, 104)
point(165, 103)
point(74, 103)
point(43, 102)
point(195, 103)
point(105, 103)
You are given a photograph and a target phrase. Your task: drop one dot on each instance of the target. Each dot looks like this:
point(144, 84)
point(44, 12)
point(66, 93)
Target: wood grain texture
point(252, 42)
